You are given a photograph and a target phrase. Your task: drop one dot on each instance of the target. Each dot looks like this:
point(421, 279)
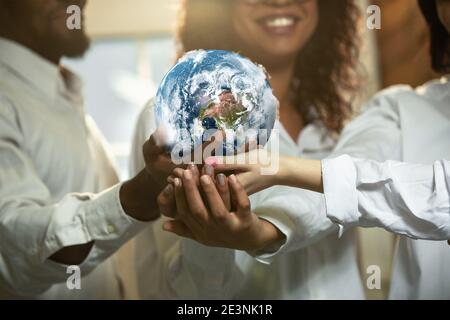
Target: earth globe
point(215, 91)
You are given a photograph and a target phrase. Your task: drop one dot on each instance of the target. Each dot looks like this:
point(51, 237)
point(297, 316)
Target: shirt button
point(110, 229)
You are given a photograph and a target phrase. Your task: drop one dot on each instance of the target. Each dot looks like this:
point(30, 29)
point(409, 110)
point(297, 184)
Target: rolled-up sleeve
point(33, 226)
point(301, 215)
point(407, 199)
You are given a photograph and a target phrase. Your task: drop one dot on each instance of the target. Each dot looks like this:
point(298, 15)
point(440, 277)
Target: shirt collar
point(48, 78)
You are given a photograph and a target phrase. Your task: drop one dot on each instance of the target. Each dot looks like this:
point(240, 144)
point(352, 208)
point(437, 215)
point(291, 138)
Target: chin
point(76, 45)
point(275, 53)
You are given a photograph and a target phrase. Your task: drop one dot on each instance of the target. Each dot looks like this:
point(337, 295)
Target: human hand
point(251, 168)
point(138, 196)
point(225, 221)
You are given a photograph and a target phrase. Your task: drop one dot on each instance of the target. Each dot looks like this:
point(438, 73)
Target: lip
point(279, 24)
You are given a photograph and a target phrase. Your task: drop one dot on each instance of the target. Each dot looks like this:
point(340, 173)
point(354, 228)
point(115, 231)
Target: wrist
point(301, 173)
point(282, 176)
point(138, 197)
point(271, 237)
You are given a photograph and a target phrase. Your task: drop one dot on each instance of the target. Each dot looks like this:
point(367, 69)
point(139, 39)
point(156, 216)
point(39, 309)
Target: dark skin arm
point(137, 197)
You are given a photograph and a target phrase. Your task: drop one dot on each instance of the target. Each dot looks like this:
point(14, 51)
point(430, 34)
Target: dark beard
point(77, 47)
point(74, 46)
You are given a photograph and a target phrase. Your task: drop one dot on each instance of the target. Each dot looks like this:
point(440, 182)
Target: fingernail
point(232, 178)
point(168, 190)
point(209, 170)
point(192, 166)
point(211, 161)
point(221, 179)
point(206, 180)
point(177, 182)
point(187, 174)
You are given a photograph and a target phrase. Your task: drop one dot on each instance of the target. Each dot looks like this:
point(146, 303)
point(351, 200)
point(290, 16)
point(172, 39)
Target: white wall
point(111, 18)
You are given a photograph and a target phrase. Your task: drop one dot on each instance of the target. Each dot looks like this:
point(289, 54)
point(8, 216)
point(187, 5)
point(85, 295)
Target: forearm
point(138, 200)
point(300, 173)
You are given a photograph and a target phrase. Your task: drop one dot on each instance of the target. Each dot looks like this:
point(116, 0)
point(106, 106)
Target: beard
point(77, 46)
point(70, 43)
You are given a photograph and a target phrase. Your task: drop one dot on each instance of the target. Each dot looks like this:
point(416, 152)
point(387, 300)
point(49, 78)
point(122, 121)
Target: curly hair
point(440, 38)
point(326, 76)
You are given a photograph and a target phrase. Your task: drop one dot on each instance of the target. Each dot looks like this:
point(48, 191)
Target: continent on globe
point(223, 115)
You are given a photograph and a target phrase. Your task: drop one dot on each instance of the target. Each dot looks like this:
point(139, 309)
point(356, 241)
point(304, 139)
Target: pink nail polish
point(211, 161)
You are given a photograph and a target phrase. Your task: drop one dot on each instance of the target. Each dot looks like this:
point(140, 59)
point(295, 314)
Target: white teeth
point(280, 22)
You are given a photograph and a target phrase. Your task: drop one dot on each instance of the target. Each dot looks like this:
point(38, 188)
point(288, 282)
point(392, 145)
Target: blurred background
point(133, 47)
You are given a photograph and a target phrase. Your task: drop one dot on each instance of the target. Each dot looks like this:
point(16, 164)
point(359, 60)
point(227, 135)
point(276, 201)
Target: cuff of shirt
point(282, 223)
point(341, 198)
point(100, 218)
point(106, 219)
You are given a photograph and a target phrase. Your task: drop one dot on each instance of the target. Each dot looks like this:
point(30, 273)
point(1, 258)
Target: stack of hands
point(209, 203)
point(214, 210)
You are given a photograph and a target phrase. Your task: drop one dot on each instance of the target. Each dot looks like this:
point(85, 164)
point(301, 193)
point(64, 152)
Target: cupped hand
point(222, 217)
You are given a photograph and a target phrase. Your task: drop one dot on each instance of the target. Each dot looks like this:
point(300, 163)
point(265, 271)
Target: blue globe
point(210, 91)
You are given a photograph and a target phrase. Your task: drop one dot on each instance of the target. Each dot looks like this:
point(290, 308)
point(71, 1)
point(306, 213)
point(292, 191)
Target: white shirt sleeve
point(301, 215)
point(170, 267)
point(33, 226)
point(407, 199)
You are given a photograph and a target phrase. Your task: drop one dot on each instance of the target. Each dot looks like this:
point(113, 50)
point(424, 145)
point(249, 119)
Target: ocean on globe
point(215, 91)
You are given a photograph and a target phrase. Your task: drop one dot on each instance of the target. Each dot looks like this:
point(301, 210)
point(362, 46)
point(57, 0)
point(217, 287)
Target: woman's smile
point(280, 24)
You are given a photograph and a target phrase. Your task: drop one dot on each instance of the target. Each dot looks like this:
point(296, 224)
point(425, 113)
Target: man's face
point(45, 23)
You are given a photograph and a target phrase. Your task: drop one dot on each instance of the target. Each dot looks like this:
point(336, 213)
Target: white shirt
point(407, 199)
point(412, 126)
point(312, 265)
point(52, 161)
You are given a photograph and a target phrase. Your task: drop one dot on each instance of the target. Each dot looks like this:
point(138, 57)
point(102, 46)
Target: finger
point(155, 157)
point(183, 211)
point(170, 180)
point(178, 228)
point(241, 200)
point(215, 202)
point(154, 145)
point(224, 190)
point(209, 171)
point(195, 173)
point(159, 137)
point(178, 173)
point(196, 205)
point(166, 202)
point(228, 163)
point(250, 182)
